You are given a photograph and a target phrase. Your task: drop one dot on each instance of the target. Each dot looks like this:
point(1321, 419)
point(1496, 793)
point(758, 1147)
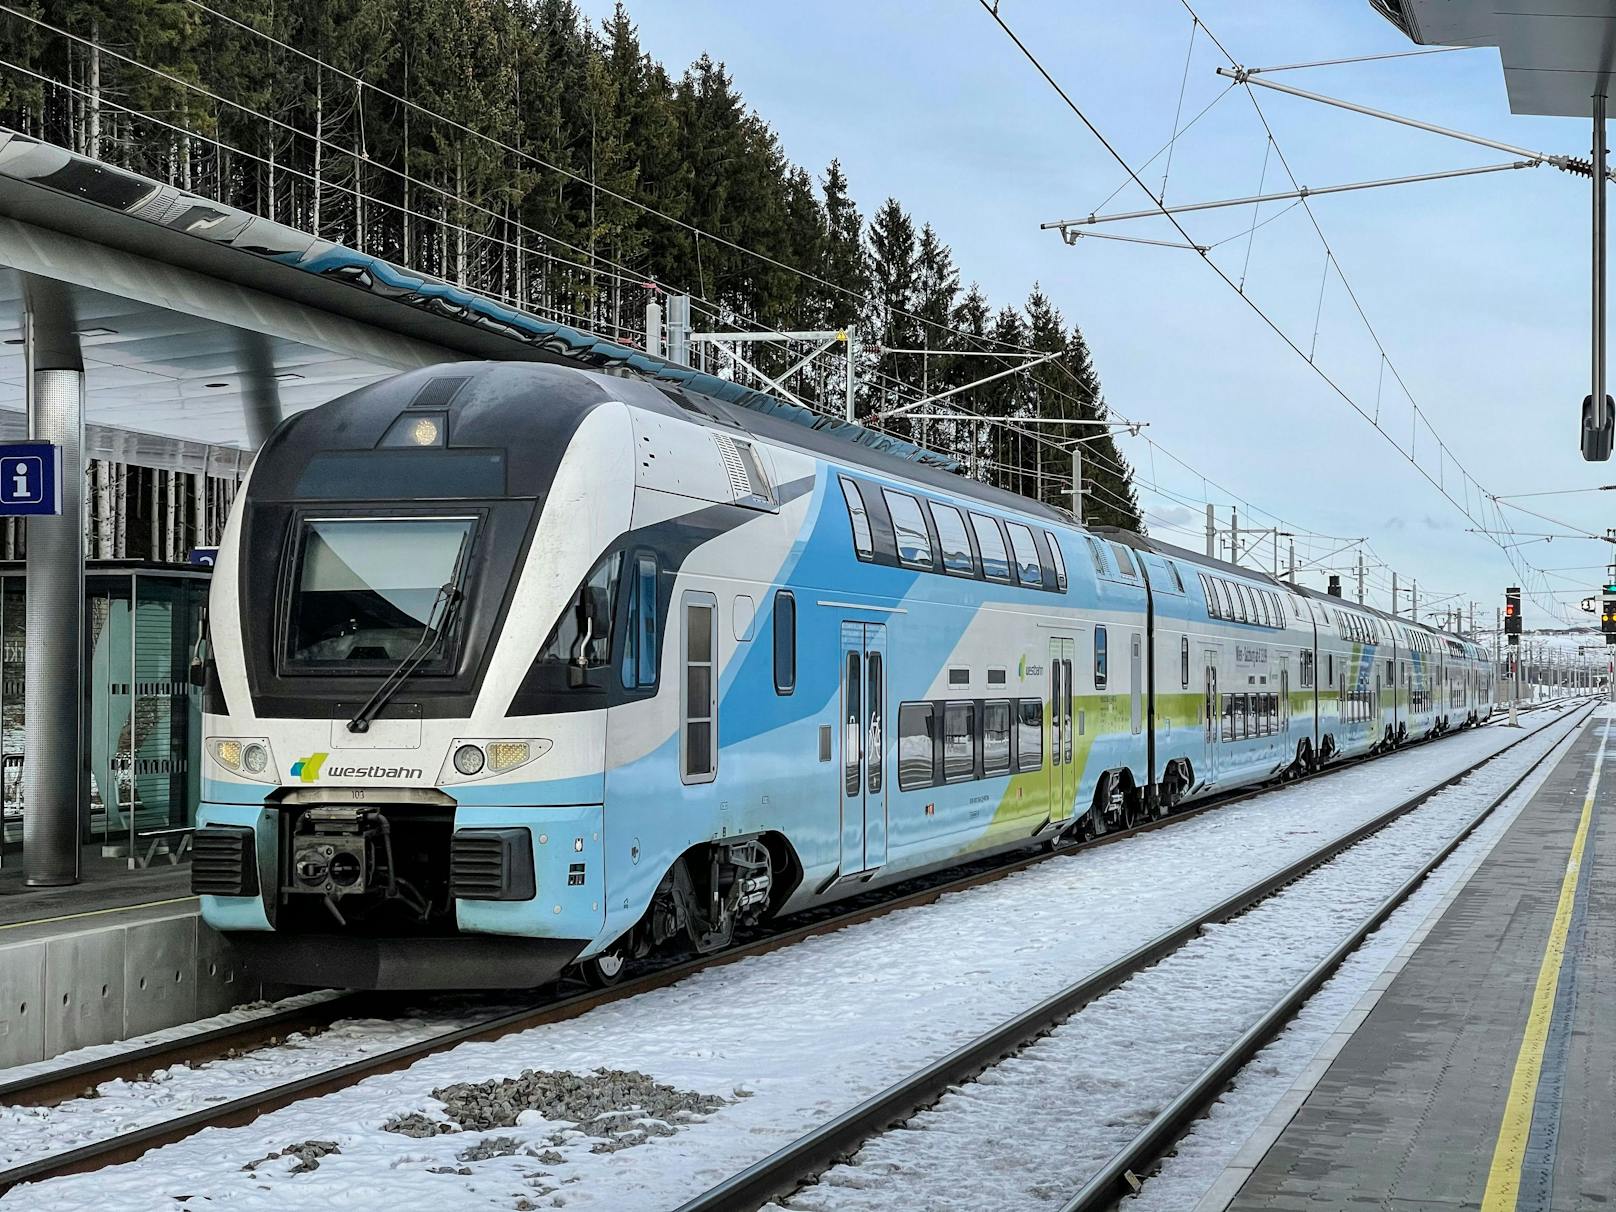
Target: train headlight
point(250, 757)
point(469, 760)
point(483, 758)
point(508, 755)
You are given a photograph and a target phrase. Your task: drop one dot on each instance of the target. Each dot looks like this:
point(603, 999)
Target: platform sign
point(204, 557)
point(30, 479)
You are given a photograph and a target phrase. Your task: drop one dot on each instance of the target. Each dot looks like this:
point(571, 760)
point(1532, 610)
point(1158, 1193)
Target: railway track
point(838, 1138)
point(74, 1081)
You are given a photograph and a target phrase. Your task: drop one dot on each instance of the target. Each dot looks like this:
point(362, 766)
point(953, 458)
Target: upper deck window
point(909, 526)
point(369, 590)
point(1060, 561)
point(951, 536)
point(990, 541)
point(859, 519)
point(1028, 569)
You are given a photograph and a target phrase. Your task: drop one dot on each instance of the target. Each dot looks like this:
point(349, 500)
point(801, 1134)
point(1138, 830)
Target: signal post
point(1512, 629)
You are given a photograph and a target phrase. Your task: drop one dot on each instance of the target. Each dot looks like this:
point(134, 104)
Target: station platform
point(120, 954)
point(1481, 1070)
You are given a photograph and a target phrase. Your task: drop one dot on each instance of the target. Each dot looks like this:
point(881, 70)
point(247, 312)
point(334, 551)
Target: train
point(516, 670)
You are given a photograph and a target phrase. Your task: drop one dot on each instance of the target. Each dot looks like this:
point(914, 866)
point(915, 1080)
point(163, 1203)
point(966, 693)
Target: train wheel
point(606, 969)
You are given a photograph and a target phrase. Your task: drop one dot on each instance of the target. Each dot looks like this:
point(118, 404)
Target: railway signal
point(1607, 612)
point(1512, 613)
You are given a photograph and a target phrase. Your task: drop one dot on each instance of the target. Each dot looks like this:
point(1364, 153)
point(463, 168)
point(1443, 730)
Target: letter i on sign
point(19, 479)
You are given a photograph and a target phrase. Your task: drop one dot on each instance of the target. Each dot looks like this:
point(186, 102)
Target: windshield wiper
point(447, 601)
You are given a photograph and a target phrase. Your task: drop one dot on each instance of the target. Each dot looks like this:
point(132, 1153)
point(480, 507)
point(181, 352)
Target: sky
point(1475, 289)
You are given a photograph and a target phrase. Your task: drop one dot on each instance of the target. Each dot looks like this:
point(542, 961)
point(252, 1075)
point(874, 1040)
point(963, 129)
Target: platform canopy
point(199, 323)
point(1556, 54)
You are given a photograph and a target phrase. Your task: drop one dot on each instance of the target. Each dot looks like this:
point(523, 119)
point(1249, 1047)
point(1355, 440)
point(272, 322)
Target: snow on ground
point(1008, 1141)
point(787, 1039)
point(1211, 1145)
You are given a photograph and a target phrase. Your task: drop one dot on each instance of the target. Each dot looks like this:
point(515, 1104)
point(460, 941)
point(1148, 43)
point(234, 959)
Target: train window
point(1226, 599)
point(1210, 596)
point(1253, 612)
point(909, 527)
point(917, 745)
point(1305, 667)
point(996, 677)
point(1184, 660)
point(952, 539)
point(1029, 734)
point(1099, 658)
point(877, 726)
point(995, 737)
point(1178, 581)
point(1097, 555)
point(785, 641)
point(699, 734)
point(859, 519)
point(1060, 561)
point(1124, 560)
point(990, 542)
point(640, 639)
point(852, 726)
point(1028, 570)
point(959, 742)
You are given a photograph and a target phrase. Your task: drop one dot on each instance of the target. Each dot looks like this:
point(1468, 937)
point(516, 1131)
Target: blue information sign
point(204, 556)
point(30, 479)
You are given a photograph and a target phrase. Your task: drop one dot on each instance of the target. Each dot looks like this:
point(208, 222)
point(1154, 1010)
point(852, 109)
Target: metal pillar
point(852, 372)
point(653, 328)
point(1234, 535)
point(261, 396)
point(1211, 533)
point(1077, 483)
point(1292, 545)
point(1596, 418)
point(54, 774)
point(679, 329)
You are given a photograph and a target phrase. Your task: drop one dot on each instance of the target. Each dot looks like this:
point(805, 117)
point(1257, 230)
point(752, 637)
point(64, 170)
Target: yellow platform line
point(1504, 1177)
point(68, 917)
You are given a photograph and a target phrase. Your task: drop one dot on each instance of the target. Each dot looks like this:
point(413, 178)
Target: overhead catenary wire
point(1325, 377)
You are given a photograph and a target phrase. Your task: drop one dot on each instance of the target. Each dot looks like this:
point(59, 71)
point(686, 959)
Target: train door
point(1061, 767)
point(864, 747)
point(1136, 681)
point(1211, 713)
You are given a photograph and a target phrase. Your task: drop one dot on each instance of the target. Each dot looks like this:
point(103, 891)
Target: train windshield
point(365, 589)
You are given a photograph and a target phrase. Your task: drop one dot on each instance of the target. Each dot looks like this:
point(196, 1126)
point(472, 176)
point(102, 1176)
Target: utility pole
point(1414, 602)
point(1211, 533)
point(1293, 561)
point(1234, 535)
point(1077, 482)
point(1394, 593)
point(1360, 579)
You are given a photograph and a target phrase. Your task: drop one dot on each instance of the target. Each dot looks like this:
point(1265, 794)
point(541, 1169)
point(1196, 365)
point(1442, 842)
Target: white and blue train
point(515, 667)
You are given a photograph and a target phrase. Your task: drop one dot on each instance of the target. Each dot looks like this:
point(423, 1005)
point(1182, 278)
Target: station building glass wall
point(142, 717)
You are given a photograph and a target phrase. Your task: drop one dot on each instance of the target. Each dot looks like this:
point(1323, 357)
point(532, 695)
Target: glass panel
point(995, 559)
point(698, 692)
point(876, 742)
point(959, 741)
point(952, 538)
point(1030, 735)
point(1066, 708)
point(699, 747)
point(859, 520)
point(367, 586)
point(1028, 570)
point(909, 528)
point(1124, 560)
point(1099, 658)
point(853, 733)
point(785, 642)
point(916, 743)
point(699, 633)
point(647, 630)
point(161, 716)
point(995, 737)
point(402, 475)
point(1060, 561)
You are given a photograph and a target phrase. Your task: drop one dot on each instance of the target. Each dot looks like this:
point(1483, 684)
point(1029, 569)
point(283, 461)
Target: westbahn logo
point(308, 769)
